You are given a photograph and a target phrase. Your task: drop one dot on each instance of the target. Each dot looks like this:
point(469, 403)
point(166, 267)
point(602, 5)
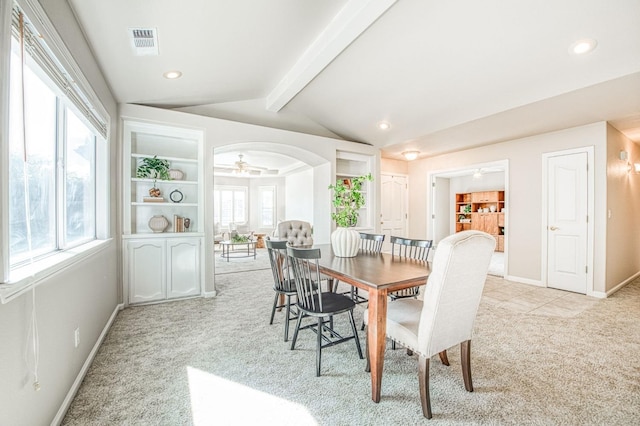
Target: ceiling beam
point(352, 20)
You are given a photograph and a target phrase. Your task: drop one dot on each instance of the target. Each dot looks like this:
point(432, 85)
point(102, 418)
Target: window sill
point(30, 276)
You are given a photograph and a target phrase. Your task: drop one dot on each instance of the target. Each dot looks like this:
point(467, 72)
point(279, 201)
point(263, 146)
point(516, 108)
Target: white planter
point(345, 242)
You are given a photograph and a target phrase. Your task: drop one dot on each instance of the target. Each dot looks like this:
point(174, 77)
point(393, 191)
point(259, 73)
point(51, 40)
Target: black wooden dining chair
point(412, 249)
point(313, 302)
point(370, 243)
point(283, 283)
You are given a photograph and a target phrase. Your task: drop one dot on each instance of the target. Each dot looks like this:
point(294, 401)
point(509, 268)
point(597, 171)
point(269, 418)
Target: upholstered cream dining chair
point(296, 233)
point(445, 317)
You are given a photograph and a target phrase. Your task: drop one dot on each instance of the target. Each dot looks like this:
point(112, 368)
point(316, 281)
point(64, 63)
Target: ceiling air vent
point(144, 41)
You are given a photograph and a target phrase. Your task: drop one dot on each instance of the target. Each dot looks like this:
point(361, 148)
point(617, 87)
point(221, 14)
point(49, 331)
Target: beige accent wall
point(390, 166)
point(525, 194)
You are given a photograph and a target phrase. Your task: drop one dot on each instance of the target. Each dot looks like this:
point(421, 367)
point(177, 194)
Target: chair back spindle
point(409, 248)
point(371, 242)
point(306, 273)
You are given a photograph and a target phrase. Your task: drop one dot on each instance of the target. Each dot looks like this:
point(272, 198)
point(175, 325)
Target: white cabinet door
point(183, 267)
point(145, 270)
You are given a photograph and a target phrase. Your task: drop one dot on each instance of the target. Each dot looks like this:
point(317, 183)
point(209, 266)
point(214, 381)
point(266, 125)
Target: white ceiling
point(445, 74)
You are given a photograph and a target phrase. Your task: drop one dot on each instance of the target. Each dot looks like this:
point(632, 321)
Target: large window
point(52, 194)
point(52, 158)
point(230, 204)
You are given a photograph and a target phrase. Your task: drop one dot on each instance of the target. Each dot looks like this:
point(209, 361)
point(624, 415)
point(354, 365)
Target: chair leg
point(355, 333)
point(465, 358)
point(443, 357)
point(281, 302)
point(319, 347)
point(295, 333)
point(286, 321)
point(273, 310)
point(423, 377)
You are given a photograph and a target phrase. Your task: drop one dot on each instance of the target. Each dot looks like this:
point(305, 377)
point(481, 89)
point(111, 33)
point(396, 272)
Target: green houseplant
point(348, 199)
point(153, 168)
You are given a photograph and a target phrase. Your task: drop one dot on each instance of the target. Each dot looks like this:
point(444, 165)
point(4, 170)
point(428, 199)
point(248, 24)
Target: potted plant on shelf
point(348, 199)
point(153, 168)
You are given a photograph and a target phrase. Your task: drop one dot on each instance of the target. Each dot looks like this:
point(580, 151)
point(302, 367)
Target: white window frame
point(16, 281)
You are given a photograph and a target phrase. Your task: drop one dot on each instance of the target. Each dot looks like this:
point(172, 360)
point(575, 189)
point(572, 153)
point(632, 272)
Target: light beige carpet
point(218, 361)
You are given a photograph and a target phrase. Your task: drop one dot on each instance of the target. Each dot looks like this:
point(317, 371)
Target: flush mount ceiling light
point(583, 46)
point(171, 75)
point(411, 155)
point(383, 125)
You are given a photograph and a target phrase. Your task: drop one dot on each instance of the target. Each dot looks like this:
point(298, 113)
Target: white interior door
point(567, 196)
point(394, 208)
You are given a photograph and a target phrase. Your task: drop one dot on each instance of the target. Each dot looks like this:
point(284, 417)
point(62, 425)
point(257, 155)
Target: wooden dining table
point(378, 274)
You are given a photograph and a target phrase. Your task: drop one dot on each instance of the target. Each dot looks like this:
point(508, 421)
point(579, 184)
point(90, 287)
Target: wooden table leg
point(376, 333)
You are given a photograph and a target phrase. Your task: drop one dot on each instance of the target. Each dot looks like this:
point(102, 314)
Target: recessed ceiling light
point(583, 46)
point(172, 74)
point(383, 125)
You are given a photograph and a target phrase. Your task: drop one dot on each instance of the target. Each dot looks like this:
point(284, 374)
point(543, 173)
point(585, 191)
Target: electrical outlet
point(76, 336)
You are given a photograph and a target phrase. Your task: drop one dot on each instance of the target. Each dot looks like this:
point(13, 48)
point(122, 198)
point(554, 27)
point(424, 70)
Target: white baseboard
point(210, 293)
point(618, 287)
point(529, 281)
point(85, 367)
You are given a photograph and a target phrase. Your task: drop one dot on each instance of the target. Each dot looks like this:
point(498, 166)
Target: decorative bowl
point(158, 223)
point(176, 174)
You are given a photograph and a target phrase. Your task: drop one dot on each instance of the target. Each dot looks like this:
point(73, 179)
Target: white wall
point(486, 182)
point(298, 198)
point(84, 295)
point(443, 210)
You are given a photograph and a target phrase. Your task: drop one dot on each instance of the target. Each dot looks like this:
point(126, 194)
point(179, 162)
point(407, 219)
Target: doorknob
point(553, 228)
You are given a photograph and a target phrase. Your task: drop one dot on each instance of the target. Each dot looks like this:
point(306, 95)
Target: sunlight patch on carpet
point(215, 400)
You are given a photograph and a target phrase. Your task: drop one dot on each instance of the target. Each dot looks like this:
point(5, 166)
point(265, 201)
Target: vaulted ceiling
point(444, 75)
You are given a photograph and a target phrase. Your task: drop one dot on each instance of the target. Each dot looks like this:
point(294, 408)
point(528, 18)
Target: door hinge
point(406, 216)
point(433, 216)
point(587, 218)
point(433, 184)
point(586, 269)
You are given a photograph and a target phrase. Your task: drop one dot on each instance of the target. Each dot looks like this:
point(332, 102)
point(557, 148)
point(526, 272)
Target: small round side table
point(260, 240)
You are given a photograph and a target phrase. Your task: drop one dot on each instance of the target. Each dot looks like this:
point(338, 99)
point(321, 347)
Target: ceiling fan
point(242, 168)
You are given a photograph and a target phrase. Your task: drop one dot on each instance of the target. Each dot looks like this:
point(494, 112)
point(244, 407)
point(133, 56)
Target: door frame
point(449, 173)
point(589, 150)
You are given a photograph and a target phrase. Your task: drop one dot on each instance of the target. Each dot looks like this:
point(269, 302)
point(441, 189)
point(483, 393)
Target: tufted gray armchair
point(296, 232)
